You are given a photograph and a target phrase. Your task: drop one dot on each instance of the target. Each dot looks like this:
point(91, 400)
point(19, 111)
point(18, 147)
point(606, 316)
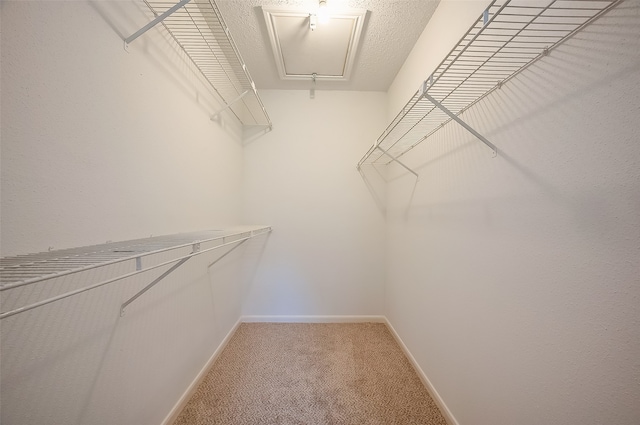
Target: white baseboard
point(448, 416)
point(313, 319)
point(182, 402)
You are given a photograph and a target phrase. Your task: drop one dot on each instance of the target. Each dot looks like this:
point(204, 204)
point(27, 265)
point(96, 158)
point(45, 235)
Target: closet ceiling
point(390, 30)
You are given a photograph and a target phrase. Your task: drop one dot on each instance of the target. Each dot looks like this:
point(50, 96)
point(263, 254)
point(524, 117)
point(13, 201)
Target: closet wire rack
point(29, 269)
point(198, 27)
point(506, 39)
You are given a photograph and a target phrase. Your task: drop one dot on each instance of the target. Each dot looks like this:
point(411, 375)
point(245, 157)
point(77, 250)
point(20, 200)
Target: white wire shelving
point(199, 29)
point(506, 39)
point(24, 270)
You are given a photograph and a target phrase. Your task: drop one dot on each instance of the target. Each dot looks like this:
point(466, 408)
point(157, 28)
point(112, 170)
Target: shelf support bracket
point(195, 249)
point(393, 158)
point(228, 105)
point(461, 122)
point(156, 21)
point(227, 253)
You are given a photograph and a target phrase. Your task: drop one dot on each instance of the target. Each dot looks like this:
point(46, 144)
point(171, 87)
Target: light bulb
point(323, 12)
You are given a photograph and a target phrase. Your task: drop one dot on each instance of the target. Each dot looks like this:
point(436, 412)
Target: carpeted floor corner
point(304, 373)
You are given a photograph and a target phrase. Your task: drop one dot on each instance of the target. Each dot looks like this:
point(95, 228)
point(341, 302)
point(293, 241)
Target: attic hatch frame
point(272, 15)
point(199, 29)
point(505, 40)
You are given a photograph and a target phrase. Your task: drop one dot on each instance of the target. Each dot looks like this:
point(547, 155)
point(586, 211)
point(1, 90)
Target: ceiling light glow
point(323, 12)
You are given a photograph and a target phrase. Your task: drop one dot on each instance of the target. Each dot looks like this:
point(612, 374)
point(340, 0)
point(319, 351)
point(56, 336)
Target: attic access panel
point(329, 51)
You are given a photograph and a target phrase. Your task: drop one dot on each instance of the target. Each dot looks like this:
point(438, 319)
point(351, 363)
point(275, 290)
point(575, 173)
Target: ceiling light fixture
point(323, 12)
point(321, 15)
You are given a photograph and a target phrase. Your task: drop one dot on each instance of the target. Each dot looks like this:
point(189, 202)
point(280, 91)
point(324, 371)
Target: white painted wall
point(515, 281)
point(100, 144)
point(326, 256)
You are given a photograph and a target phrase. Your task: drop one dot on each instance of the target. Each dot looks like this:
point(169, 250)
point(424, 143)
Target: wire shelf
point(24, 270)
point(200, 30)
point(508, 37)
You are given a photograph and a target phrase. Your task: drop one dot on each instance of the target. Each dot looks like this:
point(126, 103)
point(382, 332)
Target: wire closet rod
point(195, 252)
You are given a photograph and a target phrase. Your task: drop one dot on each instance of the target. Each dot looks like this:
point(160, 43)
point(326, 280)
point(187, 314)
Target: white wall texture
point(327, 255)
point(100, 144)
point(515, 281)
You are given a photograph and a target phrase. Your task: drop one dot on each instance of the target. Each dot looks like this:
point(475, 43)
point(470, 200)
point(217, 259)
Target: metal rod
point(156, 21)
point(108, 281)
point(462, 123)
point(398, 161)
point(228, 105)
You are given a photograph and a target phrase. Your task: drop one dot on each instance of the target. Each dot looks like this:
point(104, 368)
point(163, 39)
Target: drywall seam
point(314, 319)
point(184, 399)
point(451, 420)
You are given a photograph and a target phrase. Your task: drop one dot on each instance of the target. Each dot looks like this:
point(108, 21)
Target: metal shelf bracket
point(195, 248)
point(154, 22)
point(462, 123)
point(228, 105)
point(393, 158)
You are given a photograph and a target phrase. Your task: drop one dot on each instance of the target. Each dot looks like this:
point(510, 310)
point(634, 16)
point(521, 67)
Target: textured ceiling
point(391, 29)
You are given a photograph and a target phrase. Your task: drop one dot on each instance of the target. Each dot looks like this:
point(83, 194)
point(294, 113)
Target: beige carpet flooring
point(300, 373)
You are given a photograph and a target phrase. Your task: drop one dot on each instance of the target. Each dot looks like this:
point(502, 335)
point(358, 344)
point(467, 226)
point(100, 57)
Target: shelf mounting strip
point(24, 270)
point(199, 29)
point(508, 37)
